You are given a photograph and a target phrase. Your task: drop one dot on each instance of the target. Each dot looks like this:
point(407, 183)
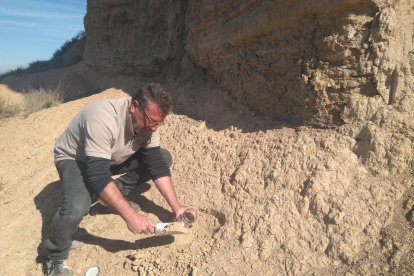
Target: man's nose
point(153, 128)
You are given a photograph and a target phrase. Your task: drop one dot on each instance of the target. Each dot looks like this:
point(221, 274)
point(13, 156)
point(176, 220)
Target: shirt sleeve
point(97, 172)
point(98, 139)
point(155, 163)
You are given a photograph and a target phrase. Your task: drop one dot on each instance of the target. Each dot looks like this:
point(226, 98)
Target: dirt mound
point(273, 199)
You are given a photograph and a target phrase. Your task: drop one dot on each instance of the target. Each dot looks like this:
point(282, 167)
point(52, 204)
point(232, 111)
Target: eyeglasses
point(152, 123)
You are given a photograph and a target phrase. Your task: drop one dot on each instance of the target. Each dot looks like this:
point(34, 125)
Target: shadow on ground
point(47, 202)
point(113, 246)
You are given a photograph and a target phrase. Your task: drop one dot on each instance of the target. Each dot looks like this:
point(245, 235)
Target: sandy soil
point(273, 199)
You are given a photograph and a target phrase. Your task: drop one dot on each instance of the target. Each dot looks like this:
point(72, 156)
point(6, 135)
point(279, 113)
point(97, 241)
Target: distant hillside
point(71, 52)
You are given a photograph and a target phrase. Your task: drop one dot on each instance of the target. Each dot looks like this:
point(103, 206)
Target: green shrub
point(80, 35)
point(16, 72)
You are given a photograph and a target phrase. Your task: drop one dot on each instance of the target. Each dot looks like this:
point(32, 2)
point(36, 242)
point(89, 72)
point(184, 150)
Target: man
point(106, 138)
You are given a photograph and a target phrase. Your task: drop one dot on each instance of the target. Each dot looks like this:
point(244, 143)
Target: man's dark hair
point(154, 93)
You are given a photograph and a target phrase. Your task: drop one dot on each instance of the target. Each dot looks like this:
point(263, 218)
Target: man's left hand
point(178, 212)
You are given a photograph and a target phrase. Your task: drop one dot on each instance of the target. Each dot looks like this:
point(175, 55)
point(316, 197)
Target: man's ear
point(134, 106)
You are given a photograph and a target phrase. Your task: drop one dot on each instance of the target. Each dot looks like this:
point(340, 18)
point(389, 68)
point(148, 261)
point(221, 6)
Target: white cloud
point(27, 14)
point(17, 23)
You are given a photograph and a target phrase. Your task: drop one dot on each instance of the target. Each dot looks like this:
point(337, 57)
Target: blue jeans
point(77, 199)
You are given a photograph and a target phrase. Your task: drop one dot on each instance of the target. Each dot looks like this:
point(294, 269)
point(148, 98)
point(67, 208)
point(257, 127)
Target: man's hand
point(138, 223)
point(178, 212)
point(166, 188)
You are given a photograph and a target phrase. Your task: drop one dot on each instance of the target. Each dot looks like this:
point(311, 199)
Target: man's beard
point(142, 131)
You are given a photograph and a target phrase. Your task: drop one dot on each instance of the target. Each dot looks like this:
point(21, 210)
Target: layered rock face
point(301, 61)
point(129, 37)
point(293, 60)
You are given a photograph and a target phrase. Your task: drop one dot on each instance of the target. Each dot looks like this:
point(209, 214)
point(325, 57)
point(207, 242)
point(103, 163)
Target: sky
point(32, 30)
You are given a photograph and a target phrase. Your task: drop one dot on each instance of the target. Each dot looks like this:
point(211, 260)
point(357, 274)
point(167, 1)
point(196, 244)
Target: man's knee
point(167, 157)
point(77, 207)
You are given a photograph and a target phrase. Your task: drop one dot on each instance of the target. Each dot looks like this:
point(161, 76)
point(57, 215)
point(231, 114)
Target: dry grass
point(8, 110)
point(38, 99)
point(34, 100)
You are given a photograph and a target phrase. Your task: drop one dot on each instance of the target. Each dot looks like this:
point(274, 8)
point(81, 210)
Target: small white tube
point(160, 227)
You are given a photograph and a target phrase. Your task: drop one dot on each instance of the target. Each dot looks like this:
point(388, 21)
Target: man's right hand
point(138, 223)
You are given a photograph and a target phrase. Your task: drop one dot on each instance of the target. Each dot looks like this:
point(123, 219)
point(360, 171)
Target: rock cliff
point(294, 60)
point(129, 37)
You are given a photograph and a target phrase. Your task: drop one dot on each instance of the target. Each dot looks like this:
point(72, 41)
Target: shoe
point(138, 188)
point(57, 268)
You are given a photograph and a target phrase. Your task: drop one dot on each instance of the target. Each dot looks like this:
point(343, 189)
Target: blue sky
point(33, 30)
